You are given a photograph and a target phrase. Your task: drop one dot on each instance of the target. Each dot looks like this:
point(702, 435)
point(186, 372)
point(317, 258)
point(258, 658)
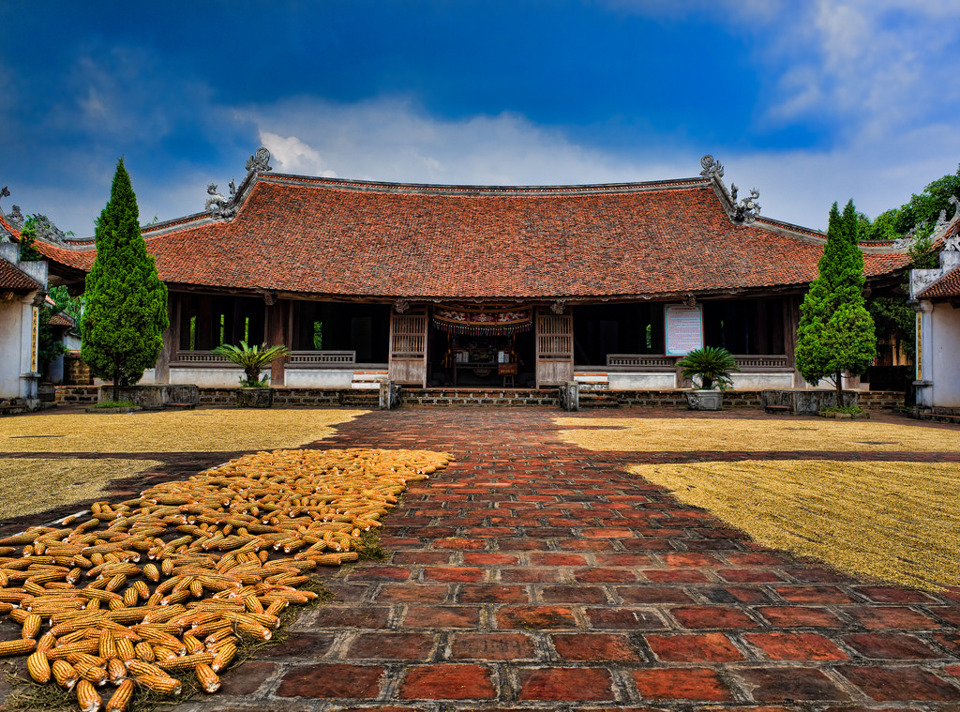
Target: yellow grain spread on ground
point(211, 429)
point(897, 521)
point(713, 434)
point(34, 485)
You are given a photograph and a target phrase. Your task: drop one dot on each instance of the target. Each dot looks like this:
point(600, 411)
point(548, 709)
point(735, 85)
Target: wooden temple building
point(472, 286)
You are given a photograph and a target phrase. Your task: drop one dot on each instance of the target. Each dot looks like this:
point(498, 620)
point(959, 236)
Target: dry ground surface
point(641, 560)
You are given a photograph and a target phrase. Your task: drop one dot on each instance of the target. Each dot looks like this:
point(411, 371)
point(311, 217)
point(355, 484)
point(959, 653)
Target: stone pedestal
point(705, 400)
point(254, 397)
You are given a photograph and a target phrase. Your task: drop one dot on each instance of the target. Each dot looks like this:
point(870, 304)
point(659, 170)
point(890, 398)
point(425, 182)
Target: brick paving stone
point(594, 647)
point(492, 646)
point(536, 617)
point(790, 684)
point(331, 680)
point(712, 617)
point(389, 645)
point(795, 646)
point(447, 682)
point(892, 617)
point(702, 684)
point(533, 575)
point(565, 684)
point(890, 646)
point(894, 684)
point(706, 647)
point(800, 617)
point(492, 593)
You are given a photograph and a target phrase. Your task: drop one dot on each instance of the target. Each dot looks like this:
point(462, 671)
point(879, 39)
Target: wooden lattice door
point(554, 349)
point(408, 349)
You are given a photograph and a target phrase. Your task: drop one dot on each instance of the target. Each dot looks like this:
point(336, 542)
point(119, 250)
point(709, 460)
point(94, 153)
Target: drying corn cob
point(207, 577)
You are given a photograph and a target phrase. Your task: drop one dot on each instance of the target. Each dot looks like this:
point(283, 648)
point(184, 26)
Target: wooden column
point(791, 321)
point(171, 340)
point(276, 322)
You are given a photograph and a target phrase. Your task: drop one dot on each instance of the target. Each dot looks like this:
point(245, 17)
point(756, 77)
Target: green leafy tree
point(836, 332)
point(125, 303)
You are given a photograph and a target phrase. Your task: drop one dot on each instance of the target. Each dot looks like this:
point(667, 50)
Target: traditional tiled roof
point(12, 279)
point(945, 287)
point(338, 238)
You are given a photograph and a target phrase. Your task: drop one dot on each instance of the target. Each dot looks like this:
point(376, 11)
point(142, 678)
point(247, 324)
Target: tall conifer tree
point(125, 309)
point(836, 331)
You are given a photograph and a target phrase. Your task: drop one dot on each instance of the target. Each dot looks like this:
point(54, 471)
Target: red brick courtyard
point(532, 574)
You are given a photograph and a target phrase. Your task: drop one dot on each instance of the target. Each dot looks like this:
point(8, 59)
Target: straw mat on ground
point(897, 521)
point(170, 431)
point(34, 485)
point(709, 434)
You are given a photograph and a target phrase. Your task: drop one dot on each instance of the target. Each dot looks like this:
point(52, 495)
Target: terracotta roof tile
point(353, 239)
point(946, 286)
point(14, 280)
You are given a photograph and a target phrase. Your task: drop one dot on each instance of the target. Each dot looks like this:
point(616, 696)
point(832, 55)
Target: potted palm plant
point(709, 367)
point(254, 391)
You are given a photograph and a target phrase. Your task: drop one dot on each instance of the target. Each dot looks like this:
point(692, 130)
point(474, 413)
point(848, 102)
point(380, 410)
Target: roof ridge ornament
point(259, 161)
point(218, 205)
point(14, 217)
point(711, 167)
point(745, 211)
point(748, 208)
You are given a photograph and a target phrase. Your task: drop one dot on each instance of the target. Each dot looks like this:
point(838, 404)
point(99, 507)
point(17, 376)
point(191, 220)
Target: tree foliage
point(712, 365)
point(125, 310)
point(252, 359)
point(28, 238)
point(836, 332)
point(919, 214)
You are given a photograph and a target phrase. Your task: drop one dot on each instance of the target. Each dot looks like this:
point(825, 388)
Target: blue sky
point(808, 101)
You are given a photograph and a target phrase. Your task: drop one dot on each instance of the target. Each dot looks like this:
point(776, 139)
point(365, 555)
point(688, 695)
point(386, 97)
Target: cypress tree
point(125, 308)
point(836, 332)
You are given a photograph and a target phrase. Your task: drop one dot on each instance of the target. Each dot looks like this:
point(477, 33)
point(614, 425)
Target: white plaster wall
point(318, 378)
point(206, 377)
point(759, 381)
point(10, 315)
point(942, 353)
point(642, 381)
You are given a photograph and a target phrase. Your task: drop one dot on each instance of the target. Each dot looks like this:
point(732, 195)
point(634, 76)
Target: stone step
point(599, 399)
point(941, 418)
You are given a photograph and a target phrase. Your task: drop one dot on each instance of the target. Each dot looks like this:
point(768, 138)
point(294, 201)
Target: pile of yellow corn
point(172, 580)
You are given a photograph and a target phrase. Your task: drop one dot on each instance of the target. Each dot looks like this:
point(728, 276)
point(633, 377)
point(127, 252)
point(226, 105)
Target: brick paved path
point(532, 574)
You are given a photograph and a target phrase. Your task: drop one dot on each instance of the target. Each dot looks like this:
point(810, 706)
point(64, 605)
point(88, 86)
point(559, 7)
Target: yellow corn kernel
point(151, 572)
point(163, 684)
point(144, 651)
point(121, 697)
point(223, 657)
point(142, 667)
point(108, 645)
point(17, 647)
point(31, 626)
point(39, 667)
point(116, 671)
point(208, 679)
point(125, 650)
point(87, 697)
point(64, 674)
point(185, 662)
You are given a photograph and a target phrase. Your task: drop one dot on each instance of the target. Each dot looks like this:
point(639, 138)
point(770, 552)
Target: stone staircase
point(938, 415)
point(360, 398)
point(598, 399)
